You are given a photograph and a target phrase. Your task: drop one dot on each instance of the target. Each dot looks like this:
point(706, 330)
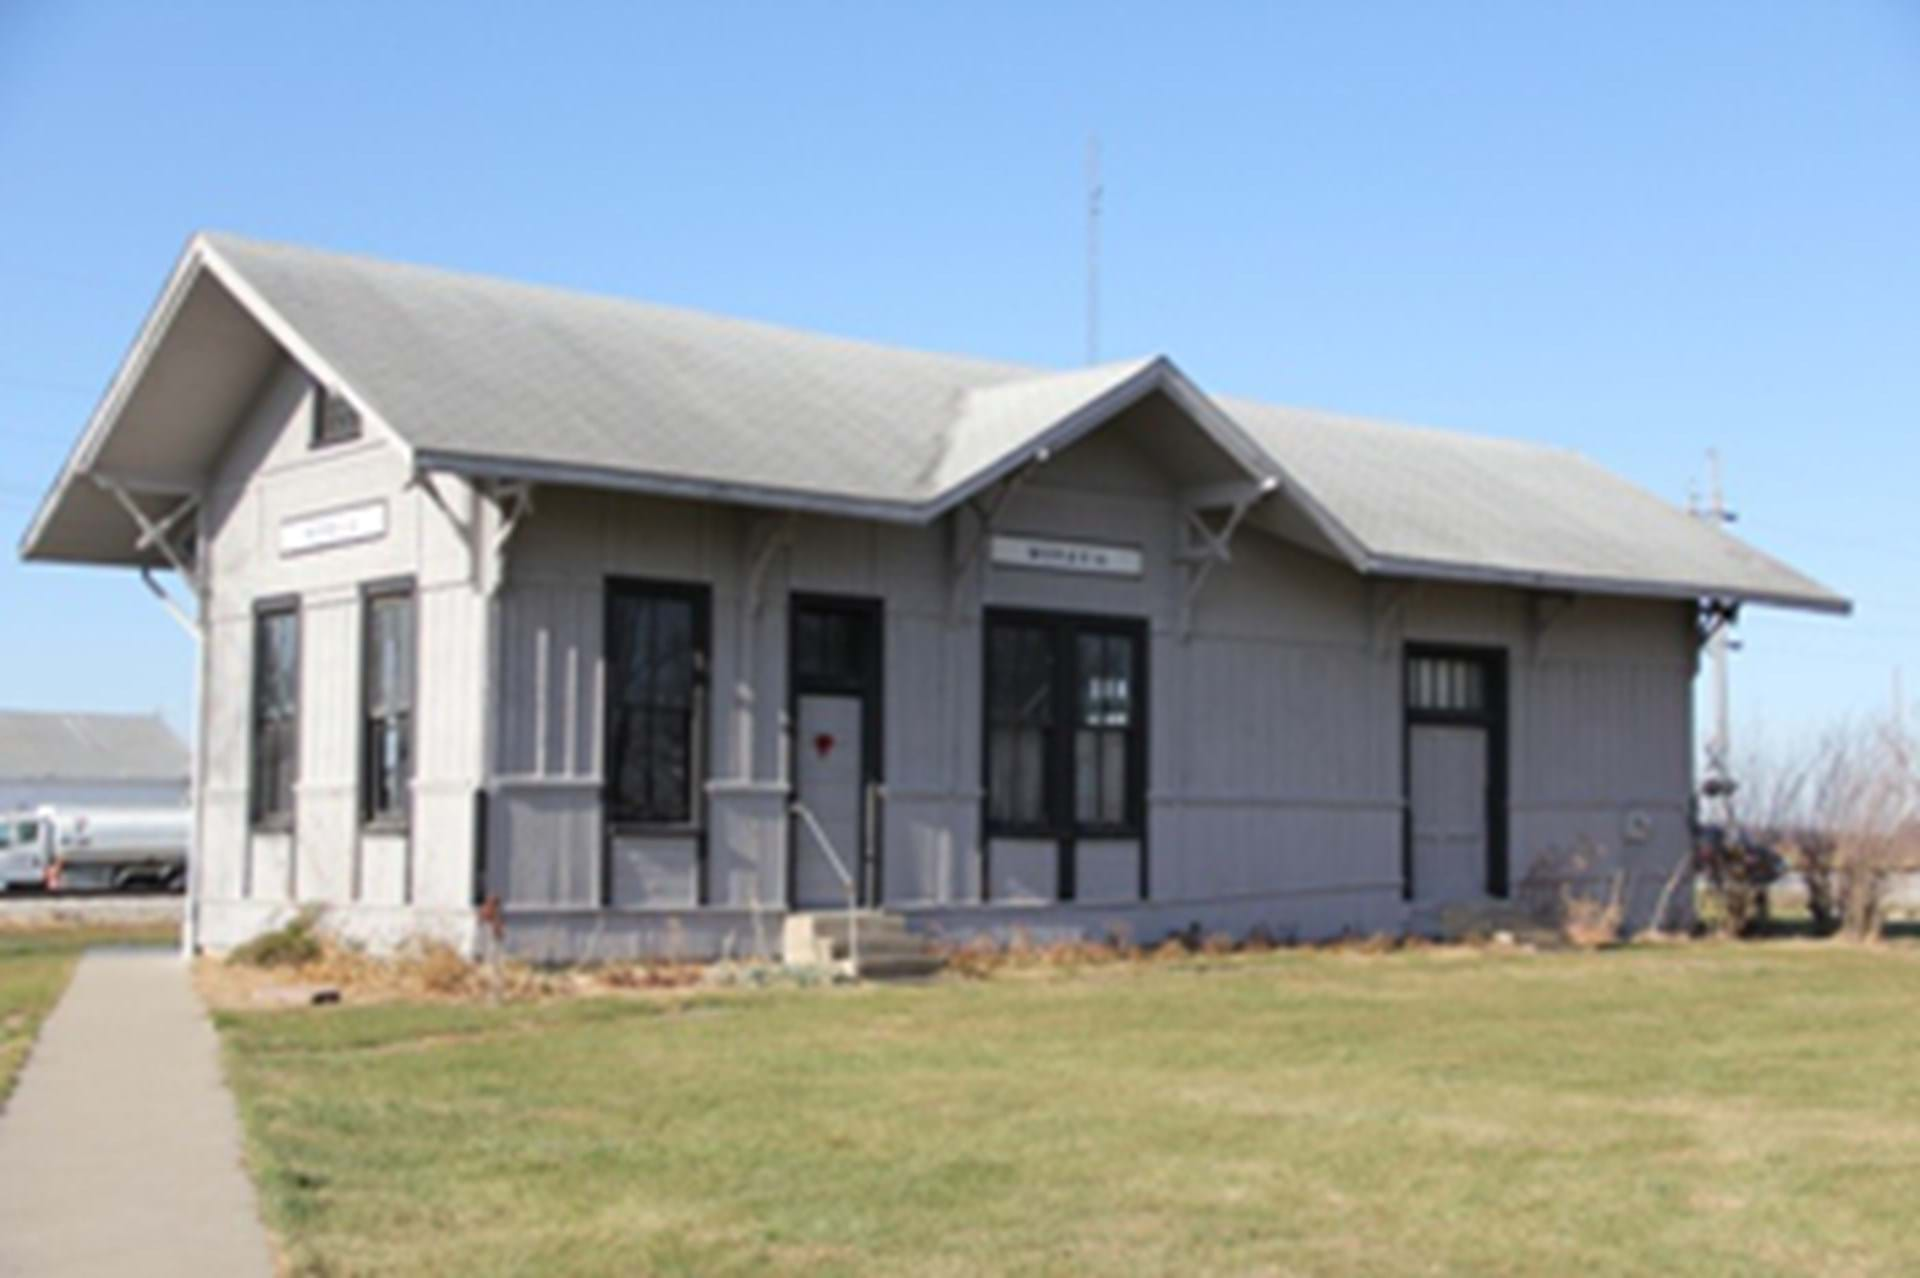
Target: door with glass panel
point(1455, 723)
point(835, 680)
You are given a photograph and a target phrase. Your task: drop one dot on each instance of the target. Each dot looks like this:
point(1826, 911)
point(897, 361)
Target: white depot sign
point(366, 521)
point(1094, 558)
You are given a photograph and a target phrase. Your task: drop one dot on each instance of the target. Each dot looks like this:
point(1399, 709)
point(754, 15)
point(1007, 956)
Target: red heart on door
point(823, 744)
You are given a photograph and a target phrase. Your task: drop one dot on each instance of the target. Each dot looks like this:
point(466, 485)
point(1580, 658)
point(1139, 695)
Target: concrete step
point(873, 947)
point(888, 950)
point(873, 924)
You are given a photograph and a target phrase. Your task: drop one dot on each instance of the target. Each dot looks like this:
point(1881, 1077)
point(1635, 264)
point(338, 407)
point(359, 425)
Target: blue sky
point(1635, 229)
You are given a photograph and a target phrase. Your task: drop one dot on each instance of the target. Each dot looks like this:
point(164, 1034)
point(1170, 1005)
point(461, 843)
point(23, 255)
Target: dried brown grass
point(431, 971)
point(1589, 922)
point(982, 957)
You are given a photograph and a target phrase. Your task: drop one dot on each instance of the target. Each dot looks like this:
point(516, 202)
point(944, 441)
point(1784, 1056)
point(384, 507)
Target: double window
point(276, 712)
point(656, 701)
point(387, 715)
point(386, 719)
point(1066, 743)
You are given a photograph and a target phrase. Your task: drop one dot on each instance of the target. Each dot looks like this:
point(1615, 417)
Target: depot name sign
point(1089, 558)
point(342, 526)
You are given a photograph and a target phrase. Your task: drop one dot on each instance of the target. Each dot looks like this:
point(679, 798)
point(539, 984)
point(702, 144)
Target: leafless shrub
point(1260, 939)
point(1590, 921)
point(1845, 812)
point(1562, 892)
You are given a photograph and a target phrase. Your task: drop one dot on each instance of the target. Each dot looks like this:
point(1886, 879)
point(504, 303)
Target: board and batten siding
point(381, 886)
point(1275, 788)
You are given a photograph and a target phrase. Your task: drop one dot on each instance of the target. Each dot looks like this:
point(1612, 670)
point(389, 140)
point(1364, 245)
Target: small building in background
point(91, 760)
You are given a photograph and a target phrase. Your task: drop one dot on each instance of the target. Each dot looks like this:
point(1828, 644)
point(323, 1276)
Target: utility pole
point(1094, 194)
point(1719, 781)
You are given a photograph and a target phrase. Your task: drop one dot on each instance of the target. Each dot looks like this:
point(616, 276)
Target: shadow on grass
point(1798, 927)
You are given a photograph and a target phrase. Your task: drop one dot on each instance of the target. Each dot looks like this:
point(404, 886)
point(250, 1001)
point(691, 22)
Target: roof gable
point(36, 746)
point(491, 378)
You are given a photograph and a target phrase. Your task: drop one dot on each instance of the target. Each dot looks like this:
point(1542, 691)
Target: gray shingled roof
point(39, 746)
point(1431, 502)
point(498, 378)
point(473, 367)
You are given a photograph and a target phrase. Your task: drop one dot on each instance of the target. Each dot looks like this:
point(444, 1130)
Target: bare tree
point(1846, 812)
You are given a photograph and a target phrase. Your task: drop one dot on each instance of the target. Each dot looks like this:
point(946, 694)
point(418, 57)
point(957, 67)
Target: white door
point(830, 778)
point(1448, 789)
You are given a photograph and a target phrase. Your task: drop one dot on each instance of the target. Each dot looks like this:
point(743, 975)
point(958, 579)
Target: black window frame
point(285, 608)
point(335, 419)
point(1059, 802)
point(398, 817)
point(624, 818)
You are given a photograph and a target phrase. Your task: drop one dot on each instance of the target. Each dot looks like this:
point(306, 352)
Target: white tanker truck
point(98, 849)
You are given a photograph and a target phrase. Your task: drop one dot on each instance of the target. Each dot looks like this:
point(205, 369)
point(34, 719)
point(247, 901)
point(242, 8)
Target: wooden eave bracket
point(511, 499)
point(1544, 611)
point(514, 500)
point(1205, 544)
point(1388, 600)
point(161, 535)
point(767, 538)
point(1714, 616)
point(971, 556)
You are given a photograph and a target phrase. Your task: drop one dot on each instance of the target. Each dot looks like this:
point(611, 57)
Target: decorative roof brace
point(157, 534)
point(765, 538)
point(986, 517)
point(1715, 615)
point(513, 499)
point(1214, 545)
point(1387, 602)
point(1544, 611)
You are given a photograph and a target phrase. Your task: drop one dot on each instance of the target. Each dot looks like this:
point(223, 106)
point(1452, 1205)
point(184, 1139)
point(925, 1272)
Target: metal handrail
point(812, 823)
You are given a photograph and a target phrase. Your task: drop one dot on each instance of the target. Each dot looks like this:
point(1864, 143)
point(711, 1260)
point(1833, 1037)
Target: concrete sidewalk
point(120, 1149)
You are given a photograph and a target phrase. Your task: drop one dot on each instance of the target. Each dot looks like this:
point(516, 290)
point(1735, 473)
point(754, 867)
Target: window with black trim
point(1066, 745)
point(656, 697)
point(1446, 685)
point(276, 713)
point(1020, 697)
point(386, 747)
point(335, 419)
point(830, 647)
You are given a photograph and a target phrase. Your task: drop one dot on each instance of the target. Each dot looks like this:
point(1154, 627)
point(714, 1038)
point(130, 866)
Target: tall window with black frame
point(1064, 726)
point(656, 691)
point(276, 714)
point(387, 719)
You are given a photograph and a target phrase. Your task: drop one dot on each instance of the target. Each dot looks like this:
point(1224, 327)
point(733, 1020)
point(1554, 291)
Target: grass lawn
point(1712, 1109)
point(35, 965)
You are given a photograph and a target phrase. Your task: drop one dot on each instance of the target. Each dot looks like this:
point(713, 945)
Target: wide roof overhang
point(214, 336)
